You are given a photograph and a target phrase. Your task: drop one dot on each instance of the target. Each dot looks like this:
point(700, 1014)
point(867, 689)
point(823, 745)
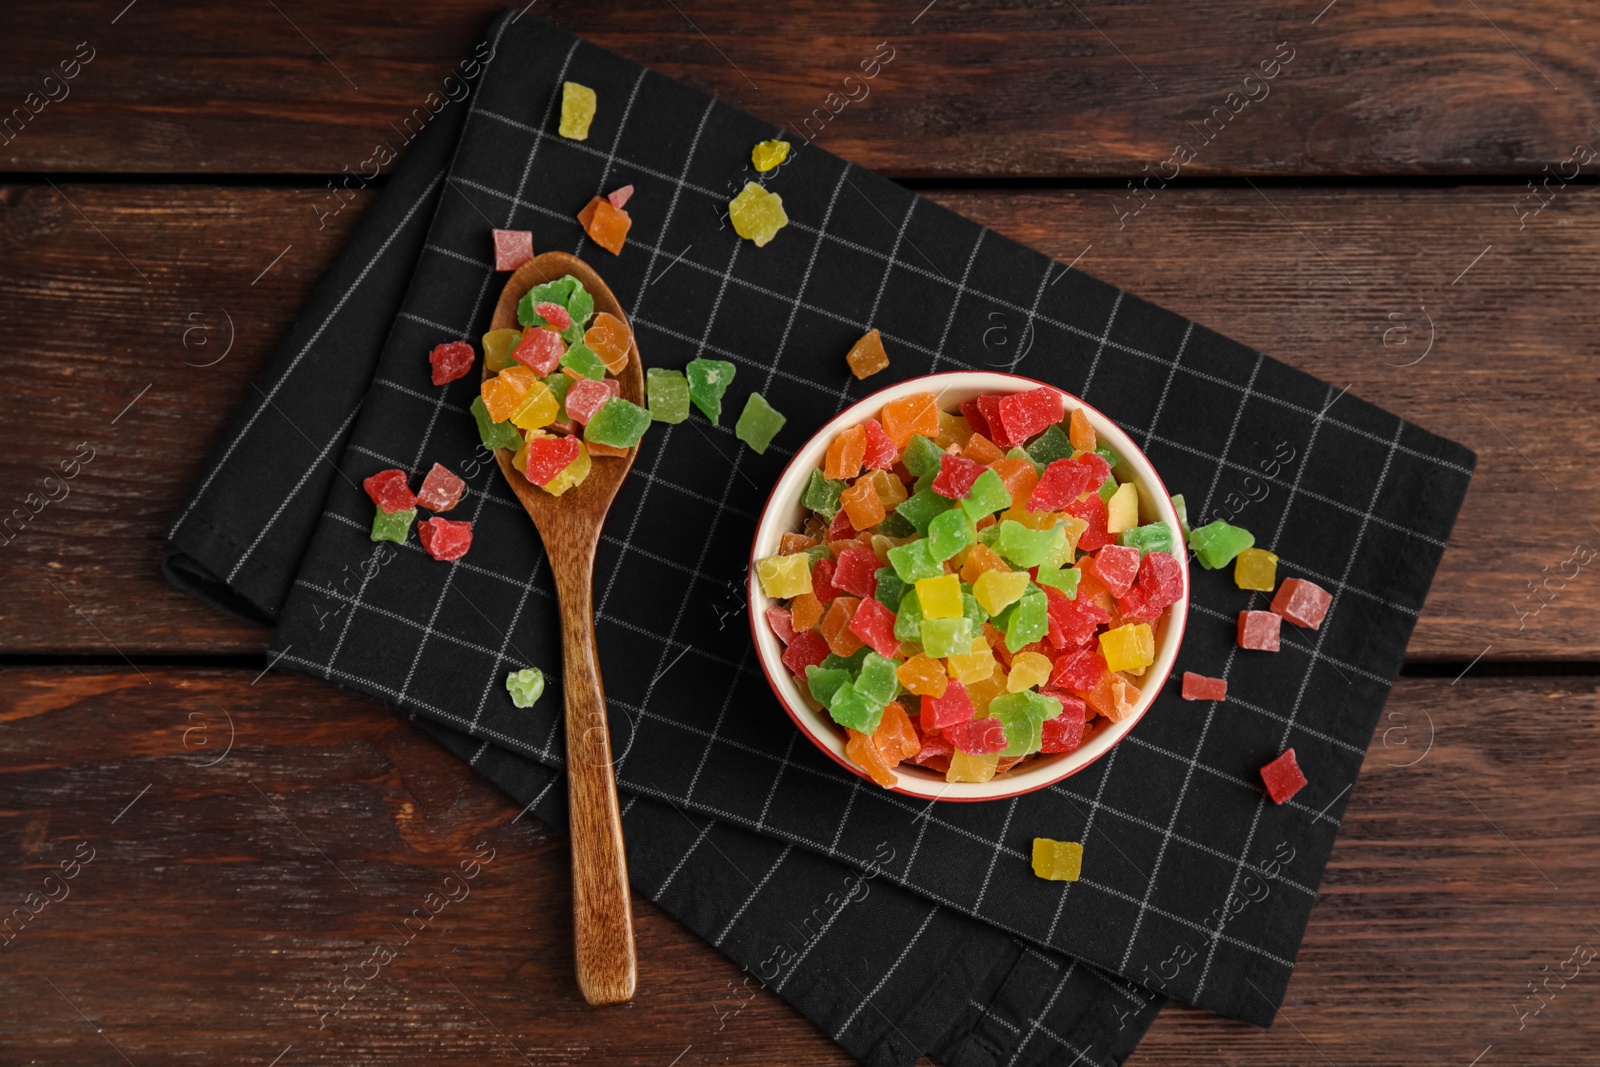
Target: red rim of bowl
point(794, 717)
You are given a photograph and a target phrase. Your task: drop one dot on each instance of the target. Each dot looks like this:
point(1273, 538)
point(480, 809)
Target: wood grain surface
point(974, 89)
point(1343, 284)
point(222, 900)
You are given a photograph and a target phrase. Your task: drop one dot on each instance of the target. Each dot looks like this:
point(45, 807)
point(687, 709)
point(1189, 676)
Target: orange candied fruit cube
point(836, 626)
point(866, 356)
point(503, 393)
point(606, 226)
point(792, 542)
point(923, 676)
point(610, 339)
point(864, 754)
point(1018, 476)
point(805, 611)
point(862, 504)
point(891, 490)
point(845, 455)
point(980, 449)
point(1079, 432)
point(894, 737)
point(979, 559)
point(1124, 695)
point(911, 415)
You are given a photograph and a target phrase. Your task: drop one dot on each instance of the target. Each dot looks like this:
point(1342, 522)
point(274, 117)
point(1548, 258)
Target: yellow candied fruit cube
point(537, 408)
point(940, 597)
point(969, 768)
point(994, 590)
point(1028, 669)
point(954, 430)
point(1122, 510)
point(577, 110)
point(571, 475)
point(498, 346)
point(983, 691)
point(757, 215)
point(922, 675)
point(1057, 861)
point(1256, 568)
point(1128, 647)
point(784, 576)
point(1033, 520)
point(891, 490)
point(975, 666)
point(769, 154)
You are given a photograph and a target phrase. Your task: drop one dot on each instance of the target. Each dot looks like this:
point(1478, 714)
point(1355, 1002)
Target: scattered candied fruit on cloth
point(1283, 777)
point(1258, 630)
point(1302, 603)
point(441, 490)
point(525, 686)
point(606, 224)
point(450, 361)
point(577, 111)
point(512, 248)
point(392, 525)
point(1200, 687)
point(667, 392)
point(768, 155)
point(1057, 861)
point(867, 357)
point(708, 380)
point(1216, 544)
point(388, 490)
point(1255, 568)
point(758, 424)
point(445, 539)
point(757, 215)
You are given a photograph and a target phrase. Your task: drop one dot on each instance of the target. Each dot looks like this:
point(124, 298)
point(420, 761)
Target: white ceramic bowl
point(783, 512)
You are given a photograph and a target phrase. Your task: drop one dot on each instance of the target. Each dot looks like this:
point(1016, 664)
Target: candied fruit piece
point(512, 248)
point(1057, 861)
point(668, 394)
point(757, 214)
point(541, 349)
point(940, 597)
point(606, 225)
point(805, 611)
point(1080, 432)
point(946, 637)
point(1117, 566)
point(577, 110)
point(835, 626)
point(874, 624)
point(1255, 568)
point(895, 737)
point(867, 357)
point(807, 649)
point(982, 450)
point(855, 571)
point(494, 434)
point(987, 495)
point(781, 623)
point(619, 423)
point(863, 752)
point(609, 338)
point(1258, 630)
point(392, 525)
point(758, 424)
point(1152, 537)
point(972, 667)
point(1050, 446)
point(880, 452)
point(1302, 603)
point(1028, 669)
point(525, 686)
point(388, 490)
point(1062, 482)
point(445, 539)
point(956, 476)
point(579, 361)
point(1080, 670)
point(1022, 415)
point(441, 490)
point(967, 767)
point(1216, 544)
point(822, 580)
point(450, 361)
point(1199, 687)
point(538, 408)
point(995, 590)
point(845, 453)
point(923, 676)
point(550, 313)
point(978, 736)
point(1130, 647)
point(1122, 510)
point(982, 558)
point(911, 415)
point(708, 380)
point(620, 196)
point(782, 577)
point(767, 155)
point(1064, 733)
point(548, 456)
point(1283, 777)
point(586, 397)
point(498, 346)
point(862, 505)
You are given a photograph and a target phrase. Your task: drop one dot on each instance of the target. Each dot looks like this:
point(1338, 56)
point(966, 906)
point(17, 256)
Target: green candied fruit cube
point(854, 711)
point(877, 681)
point(525, 686)
point(1049, 446)
point(921, 456)
point(890, 588)
point(1216, 545)
point(555, 292)
point(392, 526)
point(1108, 488)
point(989, 535)
point(581, 358)
point(823, 682)
point(494, 434)
point(822, 495)
point(851, 664)
point(950, 532)
point(908, 619)
point(914, 562)
point(1153, 537)
point(987, 496)
point(1105, 453)
point(1062, 578)
point(946, 637)
point(1182, 508)
point(559, 384)
point(580, 305)
point(1022, 454)
point(1022, 547)
point(667, 393)
point(1029, 621)
point(971, 610)
point(1024, 728)
point(708, 380)
point(759, 423)
point(920, 508)
point(895, 524)
point(818, 553)
point(619, 423)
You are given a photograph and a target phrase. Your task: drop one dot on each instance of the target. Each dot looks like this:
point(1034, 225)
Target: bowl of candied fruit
point(968, 586)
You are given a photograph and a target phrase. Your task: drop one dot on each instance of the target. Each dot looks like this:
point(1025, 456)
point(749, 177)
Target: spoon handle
point(602, 910)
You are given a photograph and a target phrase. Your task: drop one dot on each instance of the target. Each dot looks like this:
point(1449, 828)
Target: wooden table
point(1408, 209)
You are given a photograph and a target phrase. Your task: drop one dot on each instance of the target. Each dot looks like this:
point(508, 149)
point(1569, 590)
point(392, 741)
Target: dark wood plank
point(1513, 352)
point(972, 89)
point(209, 923)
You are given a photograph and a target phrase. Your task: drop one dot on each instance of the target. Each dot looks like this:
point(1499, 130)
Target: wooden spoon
point(569, 525)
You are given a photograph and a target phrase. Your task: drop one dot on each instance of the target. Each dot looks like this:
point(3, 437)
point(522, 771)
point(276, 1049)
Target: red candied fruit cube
point(934, 745)
point(1071, 622)
point(781, 622)
point(840, 529)
point(978, 736)
point(450, 361)
point(549, 456)
point(880, 451)
point(1062, 482)
point(874, 624)
point(1022, 415)
point(554, 314)
point(1092, 510)
point(956, 475)
point(1301, 602)
point(1160, 584)
point(1080, 670)
point(1282, 777)
point(989, 410)
point(1064, 733)
point(445, 539)
point(1117, 567)
point(974, 416)
point(619, 197)
point(806, 650)
point(822, 580)
point(540, 349)
point(856, 572)
point(512, 248)
point(944, 712)
point(585, 397)
point(441, 490)
point(1258, 630)
point(1099, 469)
point(1199, 687)
point(388, 490)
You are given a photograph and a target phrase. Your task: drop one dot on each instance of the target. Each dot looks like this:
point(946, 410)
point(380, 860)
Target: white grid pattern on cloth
point(875, 990)
point(1037, 1022)
point(733, 920)
point(1105, 336)
point(1038, 295)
